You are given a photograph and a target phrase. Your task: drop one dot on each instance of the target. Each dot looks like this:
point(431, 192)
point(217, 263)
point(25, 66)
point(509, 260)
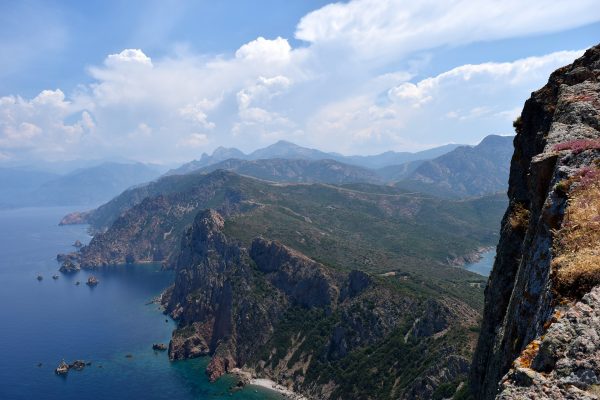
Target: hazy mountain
point(394, 173)
point(94, 185)
point(84, 186)
point(297, 170)
point(394, 158)
point(18, 183)
point(465, 171)
point(288, 150)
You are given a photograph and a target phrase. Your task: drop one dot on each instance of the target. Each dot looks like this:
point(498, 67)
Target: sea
point(485, 264)
point(112, 325)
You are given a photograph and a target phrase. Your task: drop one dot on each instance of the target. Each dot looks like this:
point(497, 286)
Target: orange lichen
point(555, 317)
point(527, 355)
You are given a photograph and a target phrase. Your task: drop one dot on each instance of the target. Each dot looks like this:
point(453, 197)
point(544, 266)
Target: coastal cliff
point(539, 336)
point(278, 314)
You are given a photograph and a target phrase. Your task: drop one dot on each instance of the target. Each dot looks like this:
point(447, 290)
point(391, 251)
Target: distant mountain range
point(286, 150)
point(465, 171)
point(85, 186)
point(450, 171)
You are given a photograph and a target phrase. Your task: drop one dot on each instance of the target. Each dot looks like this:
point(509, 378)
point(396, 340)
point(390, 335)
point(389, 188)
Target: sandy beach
point(269, 384)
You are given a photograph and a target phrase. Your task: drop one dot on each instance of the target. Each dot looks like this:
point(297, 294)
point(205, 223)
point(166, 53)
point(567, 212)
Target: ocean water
point(44, 322)
point(485, 265)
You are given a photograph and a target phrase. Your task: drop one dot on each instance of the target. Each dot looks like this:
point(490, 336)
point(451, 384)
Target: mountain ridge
point(285, 149)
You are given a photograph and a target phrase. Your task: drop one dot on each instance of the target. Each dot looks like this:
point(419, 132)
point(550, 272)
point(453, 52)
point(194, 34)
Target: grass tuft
point(519, 217)
point(576, 265)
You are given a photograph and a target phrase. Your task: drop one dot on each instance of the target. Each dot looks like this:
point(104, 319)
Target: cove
point(46, 321)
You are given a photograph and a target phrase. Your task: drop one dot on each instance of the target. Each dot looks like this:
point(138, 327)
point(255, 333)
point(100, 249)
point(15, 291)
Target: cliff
point(539, 337)
point(327, 333)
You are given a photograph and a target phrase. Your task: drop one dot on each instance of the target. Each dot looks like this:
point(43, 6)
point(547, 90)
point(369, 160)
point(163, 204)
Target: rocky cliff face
point(548, 256)
point(279, 314)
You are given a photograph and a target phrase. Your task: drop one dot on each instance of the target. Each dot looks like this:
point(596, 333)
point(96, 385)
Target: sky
point(165, 81)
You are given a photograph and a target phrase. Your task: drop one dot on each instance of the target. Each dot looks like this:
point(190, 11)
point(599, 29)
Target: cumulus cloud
point(40, 123)
point(277, 50)
point(342, 90)
point(376, 28)
point(459, 105)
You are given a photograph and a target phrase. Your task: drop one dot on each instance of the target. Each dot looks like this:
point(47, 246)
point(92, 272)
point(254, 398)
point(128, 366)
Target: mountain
point(395, 158)
point(220, 154)
point(540, 333)
point(297, 170)
point(18, 183)
point(288, 150)
point(308, 283)
point(85, 186)
point(465, 171)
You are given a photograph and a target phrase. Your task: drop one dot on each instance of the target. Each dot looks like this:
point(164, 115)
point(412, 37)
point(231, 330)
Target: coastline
point(470, 258)
point(246, 378)
point(274, 386)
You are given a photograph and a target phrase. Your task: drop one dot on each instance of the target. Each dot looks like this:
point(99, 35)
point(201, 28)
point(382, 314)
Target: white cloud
point(264, 50)
point(459, 105)
point(128, 57)
point(342, 91)
point(387, 28)
point(194, 140)
point(40, 124)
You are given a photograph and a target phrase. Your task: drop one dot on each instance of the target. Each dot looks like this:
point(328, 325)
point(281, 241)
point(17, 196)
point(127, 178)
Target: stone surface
point(519, 298)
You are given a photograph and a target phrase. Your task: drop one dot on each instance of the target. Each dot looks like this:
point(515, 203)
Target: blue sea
point(43, 322)
point(485, 264)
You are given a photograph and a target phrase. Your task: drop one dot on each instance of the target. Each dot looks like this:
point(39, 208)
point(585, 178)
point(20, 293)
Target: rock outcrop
point(531, 321)
point(270, 309)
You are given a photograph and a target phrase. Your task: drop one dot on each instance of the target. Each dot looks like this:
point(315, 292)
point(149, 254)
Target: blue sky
point(164, 81)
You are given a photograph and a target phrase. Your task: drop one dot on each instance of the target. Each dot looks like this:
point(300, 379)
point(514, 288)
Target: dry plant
point(519, 217)
point(576, 265)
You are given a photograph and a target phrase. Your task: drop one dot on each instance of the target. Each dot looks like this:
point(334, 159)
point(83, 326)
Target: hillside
point(465, 171)
point(367, 265)
point(368, 228)
point(326, 333)
point(539, 337)
point(297, 170)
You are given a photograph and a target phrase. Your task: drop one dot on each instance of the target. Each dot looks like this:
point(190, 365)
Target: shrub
point(578, 145)
point(576, 265)
point(518, 124)
point(519, 217)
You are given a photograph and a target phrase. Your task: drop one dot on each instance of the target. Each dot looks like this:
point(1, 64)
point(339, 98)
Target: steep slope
point(327, 333)
point(548, 257)
point(297, 170)
point(465, 171)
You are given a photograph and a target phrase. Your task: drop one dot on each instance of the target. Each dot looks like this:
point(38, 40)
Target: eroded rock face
point(187, 343)
point(257, 309)
point(519, 298)
point(306, 282)
point(214, 300)
point(567, 365)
